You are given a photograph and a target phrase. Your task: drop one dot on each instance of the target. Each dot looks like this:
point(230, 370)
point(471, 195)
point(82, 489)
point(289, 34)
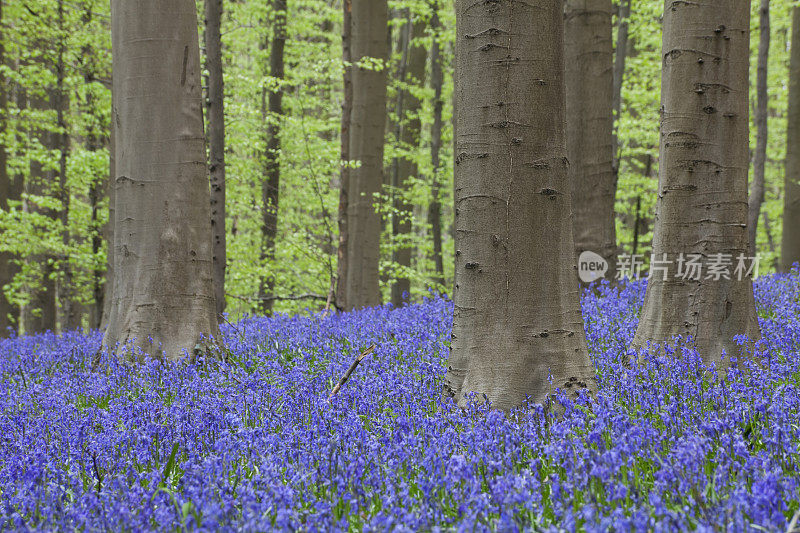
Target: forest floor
point(255, 444)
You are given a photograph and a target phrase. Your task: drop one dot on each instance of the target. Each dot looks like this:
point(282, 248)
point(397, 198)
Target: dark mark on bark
point(185, 63)
point(490, 31)
point(549, 192)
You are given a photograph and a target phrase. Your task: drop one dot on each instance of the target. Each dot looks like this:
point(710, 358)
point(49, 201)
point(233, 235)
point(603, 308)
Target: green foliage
point(34, 36)
point(305, 256)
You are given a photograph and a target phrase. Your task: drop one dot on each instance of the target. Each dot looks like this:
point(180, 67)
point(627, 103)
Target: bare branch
point(350, 370)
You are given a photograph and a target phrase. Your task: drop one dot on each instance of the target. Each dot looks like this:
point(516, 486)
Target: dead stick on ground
point(793, 523)
point(350, 370)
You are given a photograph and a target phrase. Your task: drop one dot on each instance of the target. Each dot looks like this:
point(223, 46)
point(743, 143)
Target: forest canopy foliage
point(60, 51)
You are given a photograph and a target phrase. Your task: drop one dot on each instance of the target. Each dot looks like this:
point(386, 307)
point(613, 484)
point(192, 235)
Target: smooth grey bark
point(215, 105)
point(790, 241)
point(344, 176)
point(702, 189)
point(517, 317)
point(588, 57)
point(9, 191)
point(406, 167)
point(762, 111)
point(435, 208)
point(620, 55)
point(270, 188)
point(163, 297)
point(369, 27)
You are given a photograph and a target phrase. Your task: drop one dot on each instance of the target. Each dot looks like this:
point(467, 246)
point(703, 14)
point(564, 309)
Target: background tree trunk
point(98, 188)
point(344, 177)
point(9, 191)
point(270, 192)
point(369, 26)
point(409, 125)
point(216, 144)
point(590, 126)
point(702, 198)
point(163, 297)
point(40, 314)
point(790, 242)
point(435, 209)
point(97, 191)
point(108, 286)
point(71, 317)
point(620, 55)
point(517, 318)
point(762, 115)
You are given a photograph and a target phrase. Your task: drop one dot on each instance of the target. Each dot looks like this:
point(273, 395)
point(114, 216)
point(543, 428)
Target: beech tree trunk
point(435, 208)
point(40, 314)
point(517, 317)
point(9, 191)
point(216, 145)
point(163, 298)
point(590, 126)
point(620, 55)
point(790, 242)
point(344, 176)
point(702, 189)
point(369, 27)
point(762, 111)
point(270, 189)
point(409, 125)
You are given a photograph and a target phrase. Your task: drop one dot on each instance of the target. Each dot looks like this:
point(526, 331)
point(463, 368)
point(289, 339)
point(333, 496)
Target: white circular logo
point(591, 267)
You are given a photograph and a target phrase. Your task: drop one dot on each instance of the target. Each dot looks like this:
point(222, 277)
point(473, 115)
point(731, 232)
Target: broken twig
point(350, 370)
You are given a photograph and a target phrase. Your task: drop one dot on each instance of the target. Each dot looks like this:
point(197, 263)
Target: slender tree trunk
point(590, 126)
point(702, 199)
point(790, 242)
point(98, 187)
point(435, 209)
point(96, 194)
point(344, 177)
point(762, 112)
point(407, 170)
point(636, 225)
point(369, 26)
point(108, 285)
point(9, 191)
point(395, 127)
point(768, 231)
point(216, 139)
point(517, 318)
point(271, 186)
point(40, 314)
point(163, 298)
point(70, 318)
point(620, 55)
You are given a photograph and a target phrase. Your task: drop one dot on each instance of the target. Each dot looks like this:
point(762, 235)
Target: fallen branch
point(793, 524)
point(231, 325)
point(350, 370)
